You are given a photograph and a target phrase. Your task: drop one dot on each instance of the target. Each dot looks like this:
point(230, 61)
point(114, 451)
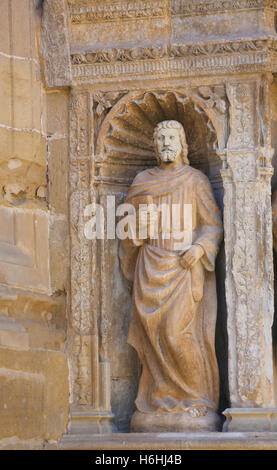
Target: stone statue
point(174, 303)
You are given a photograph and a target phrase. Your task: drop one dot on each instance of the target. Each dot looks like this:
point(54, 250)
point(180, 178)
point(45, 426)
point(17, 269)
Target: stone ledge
point(171, 441)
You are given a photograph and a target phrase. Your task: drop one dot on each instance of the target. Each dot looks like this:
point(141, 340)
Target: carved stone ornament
point(85, 11)
point(90, 378)
point(55, 43)
point(249, 271)
point(189, 59)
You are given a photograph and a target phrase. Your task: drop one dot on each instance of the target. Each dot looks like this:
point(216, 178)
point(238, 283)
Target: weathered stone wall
point(34, 234)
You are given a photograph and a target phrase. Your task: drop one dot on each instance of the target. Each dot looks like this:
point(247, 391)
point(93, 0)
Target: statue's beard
point(168, 155)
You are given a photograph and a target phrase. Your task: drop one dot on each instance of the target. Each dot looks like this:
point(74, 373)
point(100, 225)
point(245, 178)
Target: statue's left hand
point(190, 258)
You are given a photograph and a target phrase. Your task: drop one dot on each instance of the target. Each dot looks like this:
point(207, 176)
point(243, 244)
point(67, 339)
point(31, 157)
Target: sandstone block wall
point(34, 386)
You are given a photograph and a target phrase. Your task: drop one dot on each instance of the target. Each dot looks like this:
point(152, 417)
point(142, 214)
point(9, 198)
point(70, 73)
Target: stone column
point(90, 410)
point(249, 262)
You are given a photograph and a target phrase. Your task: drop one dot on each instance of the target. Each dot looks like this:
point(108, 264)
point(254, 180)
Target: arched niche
point(125, 140)
point(123, 148)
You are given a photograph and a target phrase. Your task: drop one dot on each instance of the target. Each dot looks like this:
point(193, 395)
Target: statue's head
point(170, 142)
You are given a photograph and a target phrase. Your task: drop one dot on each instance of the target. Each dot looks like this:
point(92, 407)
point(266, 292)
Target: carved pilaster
point(81, 293)
point(55, 43)
point(249, 265)
point(87, 412)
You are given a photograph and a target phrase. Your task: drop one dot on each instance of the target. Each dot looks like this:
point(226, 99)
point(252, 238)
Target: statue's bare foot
point(198, 411)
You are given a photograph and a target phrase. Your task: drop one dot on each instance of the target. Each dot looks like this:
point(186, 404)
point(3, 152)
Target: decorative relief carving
point(247, 214)
point(196, 7)
point(213, 102)
point(189, 59)
point(243, 115)
point(80, 125)
point(102, 103)
point(82, 319)
point(82, 383)
point(81, 295)
point(85, 13)
point(249, 347)
point(172, 51)
point(55, 43)
point(80, 198)
point(79, 174)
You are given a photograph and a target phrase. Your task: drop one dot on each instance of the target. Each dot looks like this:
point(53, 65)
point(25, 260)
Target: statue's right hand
point(145, 218)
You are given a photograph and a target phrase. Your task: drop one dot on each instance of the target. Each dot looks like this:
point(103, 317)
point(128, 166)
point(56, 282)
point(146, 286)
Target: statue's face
point(169, 145)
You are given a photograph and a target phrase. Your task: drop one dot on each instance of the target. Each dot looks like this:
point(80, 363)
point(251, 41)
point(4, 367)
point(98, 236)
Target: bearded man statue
point(174, 301)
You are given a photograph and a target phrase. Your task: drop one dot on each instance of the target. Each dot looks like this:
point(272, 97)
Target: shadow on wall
point(274, 328)
point(38, 4)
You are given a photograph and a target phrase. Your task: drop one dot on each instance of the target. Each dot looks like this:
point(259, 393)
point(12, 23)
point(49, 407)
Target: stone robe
point(173, 316)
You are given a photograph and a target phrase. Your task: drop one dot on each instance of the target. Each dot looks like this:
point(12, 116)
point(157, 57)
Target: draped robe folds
point(173, 315)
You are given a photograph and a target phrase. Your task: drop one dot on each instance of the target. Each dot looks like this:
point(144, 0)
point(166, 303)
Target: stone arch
point(125, 141)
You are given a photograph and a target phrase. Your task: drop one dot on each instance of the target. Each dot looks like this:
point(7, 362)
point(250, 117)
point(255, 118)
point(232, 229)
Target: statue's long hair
point(172, 125)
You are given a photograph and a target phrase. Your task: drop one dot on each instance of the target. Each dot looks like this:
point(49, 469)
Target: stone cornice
point(189, 59)
point(202, 7)
point(86, 11)
point(174, 51)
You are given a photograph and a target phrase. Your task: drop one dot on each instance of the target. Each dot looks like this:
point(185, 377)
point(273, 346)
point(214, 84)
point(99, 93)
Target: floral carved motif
point(172, 51)
point(196, 7)
point(79, 130)
point(189, 59)
point(85, 11)
point(249, 261)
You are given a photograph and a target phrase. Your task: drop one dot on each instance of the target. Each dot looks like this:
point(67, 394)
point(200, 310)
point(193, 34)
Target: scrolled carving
point(85, 12)
point(213, 102)
point(248, 256)
point(198, 7)
point(82, 383)
point(102, 104)
point(55, 44)
point(79, 126)
point(105, 101)
point(173, 51)
point(228, 57)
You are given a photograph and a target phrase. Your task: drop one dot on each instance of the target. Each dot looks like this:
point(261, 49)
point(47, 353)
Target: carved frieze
point(202, 7)
point(173, 51)
point(190, 59)
point(86, 11)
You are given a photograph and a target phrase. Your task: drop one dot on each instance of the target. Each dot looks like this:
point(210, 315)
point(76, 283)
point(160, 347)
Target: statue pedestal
point(250, 419)
point(175, 422)
point(86, 420)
